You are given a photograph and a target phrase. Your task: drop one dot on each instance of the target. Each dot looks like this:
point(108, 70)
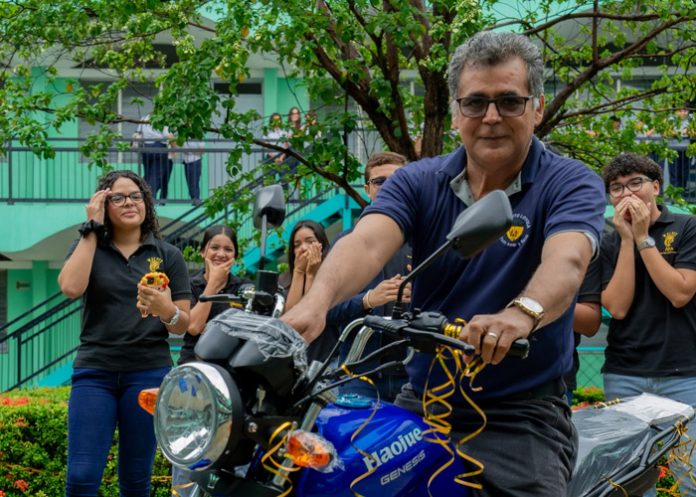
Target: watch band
point(531, 308)
point(647, 243)
point(174, 319)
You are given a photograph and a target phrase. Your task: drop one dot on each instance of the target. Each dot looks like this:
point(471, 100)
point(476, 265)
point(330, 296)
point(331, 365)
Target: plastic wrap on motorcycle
point(403, 460)
point(613, 438)
point(255, 346)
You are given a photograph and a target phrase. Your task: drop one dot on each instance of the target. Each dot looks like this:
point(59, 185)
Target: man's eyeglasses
point(120, 199)
point(506, 105)
point(378, 181)
point(634, 185)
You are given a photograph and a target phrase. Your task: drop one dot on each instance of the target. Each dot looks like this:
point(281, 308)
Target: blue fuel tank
point(404, 461)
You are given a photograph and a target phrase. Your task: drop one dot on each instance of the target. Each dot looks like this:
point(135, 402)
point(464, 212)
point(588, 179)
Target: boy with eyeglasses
point(379, 295)
point(648, 286)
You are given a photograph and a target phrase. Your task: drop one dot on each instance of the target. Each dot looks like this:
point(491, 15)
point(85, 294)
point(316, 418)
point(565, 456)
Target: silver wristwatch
point(175, 318)
point(647, 243)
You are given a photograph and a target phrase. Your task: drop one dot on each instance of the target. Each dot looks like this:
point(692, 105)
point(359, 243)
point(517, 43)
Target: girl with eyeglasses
point(123, 343)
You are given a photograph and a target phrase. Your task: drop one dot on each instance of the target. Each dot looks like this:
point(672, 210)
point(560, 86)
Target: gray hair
point(489, 48)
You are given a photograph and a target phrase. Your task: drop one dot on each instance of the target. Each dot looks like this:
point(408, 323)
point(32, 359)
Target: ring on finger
point(491, 334)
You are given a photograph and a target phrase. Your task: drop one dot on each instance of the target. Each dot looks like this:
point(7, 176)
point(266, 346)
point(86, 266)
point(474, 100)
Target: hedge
point(33, 448)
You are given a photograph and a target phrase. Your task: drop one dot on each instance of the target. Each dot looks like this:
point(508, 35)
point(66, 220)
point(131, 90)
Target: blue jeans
point(156, 169)
point(679, 388)
point(99, 402)
point(193, 170)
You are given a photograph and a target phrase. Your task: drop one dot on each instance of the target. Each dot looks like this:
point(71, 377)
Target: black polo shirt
point(590, 292)
point(655, 339)
point(198, 284)
point(114, 335)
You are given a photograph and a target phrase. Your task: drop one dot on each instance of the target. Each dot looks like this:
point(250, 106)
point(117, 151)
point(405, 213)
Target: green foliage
point(359, 61)
point(587, 395)
point(33, 447)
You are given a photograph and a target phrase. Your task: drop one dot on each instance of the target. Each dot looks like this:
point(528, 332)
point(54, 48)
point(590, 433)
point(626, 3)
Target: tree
point(360, 60)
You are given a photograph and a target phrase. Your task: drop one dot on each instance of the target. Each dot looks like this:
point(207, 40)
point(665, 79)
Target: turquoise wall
point(29, 223)
point(280, 94)
point(29, 287)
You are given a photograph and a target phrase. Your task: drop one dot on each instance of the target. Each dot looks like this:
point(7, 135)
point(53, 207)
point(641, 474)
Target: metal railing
point(68, 176)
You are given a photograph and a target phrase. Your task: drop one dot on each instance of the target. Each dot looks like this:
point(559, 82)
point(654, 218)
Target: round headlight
point(198, 415)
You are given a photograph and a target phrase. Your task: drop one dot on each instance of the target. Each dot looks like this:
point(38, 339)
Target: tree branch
point(593, 69)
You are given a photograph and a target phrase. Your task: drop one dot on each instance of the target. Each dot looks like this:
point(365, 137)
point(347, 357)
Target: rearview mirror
point(269, 212)
point(269, 202)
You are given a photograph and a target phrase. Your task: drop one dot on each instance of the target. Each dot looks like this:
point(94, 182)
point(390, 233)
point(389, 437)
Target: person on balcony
point(193, 165)
point(156, 163)
point(123, 342)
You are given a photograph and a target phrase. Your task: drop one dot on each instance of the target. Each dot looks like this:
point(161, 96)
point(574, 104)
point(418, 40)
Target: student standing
point(123, 343)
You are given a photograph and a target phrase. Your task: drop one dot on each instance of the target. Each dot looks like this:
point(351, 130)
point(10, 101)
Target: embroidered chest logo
point(155, 263)
point(518, 233)
point(668, 241)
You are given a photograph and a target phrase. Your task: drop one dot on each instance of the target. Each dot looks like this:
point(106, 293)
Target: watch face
point(531, 304)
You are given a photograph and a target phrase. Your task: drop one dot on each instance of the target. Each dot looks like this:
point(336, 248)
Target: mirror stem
point(264, 232)
point(398, 305)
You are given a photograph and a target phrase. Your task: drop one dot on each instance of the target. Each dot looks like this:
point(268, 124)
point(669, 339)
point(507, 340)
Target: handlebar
point(429, 329)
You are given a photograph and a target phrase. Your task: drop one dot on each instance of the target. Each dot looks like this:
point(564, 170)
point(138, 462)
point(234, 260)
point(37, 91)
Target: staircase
point(41, 343)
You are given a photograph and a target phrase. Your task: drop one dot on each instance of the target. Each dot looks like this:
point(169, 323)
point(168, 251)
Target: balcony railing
point(68, 177)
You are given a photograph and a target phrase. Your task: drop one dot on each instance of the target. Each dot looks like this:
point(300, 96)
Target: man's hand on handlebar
point(307, 319)
point(493, 334)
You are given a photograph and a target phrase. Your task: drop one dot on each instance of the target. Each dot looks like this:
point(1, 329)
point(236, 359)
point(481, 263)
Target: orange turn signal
point(309, 450)
point(147, 399)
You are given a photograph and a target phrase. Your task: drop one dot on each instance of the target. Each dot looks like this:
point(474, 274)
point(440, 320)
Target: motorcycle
point(252, 418)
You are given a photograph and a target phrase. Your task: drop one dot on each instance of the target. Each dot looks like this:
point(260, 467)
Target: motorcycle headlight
point(198, 415)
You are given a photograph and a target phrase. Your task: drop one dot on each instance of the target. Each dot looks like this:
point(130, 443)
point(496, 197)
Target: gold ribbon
point(276, 467)
point(360, 429)
point(439, 427)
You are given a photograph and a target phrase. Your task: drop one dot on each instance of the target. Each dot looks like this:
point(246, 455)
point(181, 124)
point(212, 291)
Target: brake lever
point(224, 298)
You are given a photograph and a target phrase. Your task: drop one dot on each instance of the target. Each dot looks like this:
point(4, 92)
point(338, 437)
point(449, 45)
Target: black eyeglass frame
point(121, 198)
point(495, 100)
point(378, 181)
point(633, 189)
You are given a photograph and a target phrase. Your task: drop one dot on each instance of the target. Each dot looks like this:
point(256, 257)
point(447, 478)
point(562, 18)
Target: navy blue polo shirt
point(655, 339)
point(114, 336)
point(556, 194)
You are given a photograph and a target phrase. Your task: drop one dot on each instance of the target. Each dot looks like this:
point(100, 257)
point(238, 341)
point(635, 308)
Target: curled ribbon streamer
point(618, 487)
point(438, 422)
point(439, 428)
point(682, 454)
point(461, 478)
point(438, 395)
point(279, 469)
point(361, 428)
point(182, 486)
